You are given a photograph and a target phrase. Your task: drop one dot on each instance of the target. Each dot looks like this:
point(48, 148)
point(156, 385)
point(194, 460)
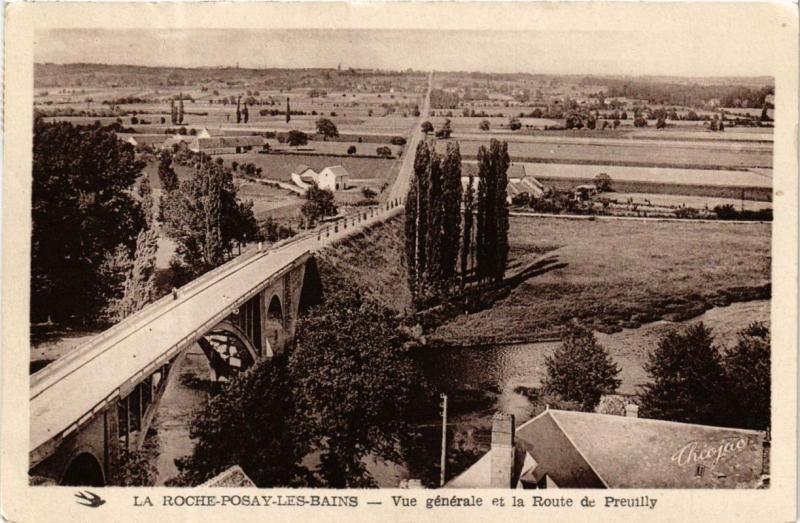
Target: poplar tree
point(146, 199)
point(140, 283)
point(245, 113)
point(411, 235)
point(238, 109)
point(169, 181)
point(491, 243)
point(466, 241)
point(486, 240)
point(180, 109)
point(288, 111)
point(420, 174)
point(433, 273)
point(501, 163)
point(451, 211)
point(172, 112)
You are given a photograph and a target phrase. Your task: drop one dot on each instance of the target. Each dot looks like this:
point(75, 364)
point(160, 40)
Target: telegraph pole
point(444, 439)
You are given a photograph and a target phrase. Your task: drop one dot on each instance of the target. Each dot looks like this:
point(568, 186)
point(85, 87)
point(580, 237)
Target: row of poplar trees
point(176, 114)
point(446, 250)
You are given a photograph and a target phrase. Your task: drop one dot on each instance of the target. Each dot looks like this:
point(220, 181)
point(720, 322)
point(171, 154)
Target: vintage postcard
point(402, 261)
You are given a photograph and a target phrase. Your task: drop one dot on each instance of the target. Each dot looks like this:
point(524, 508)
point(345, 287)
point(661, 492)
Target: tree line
point(96, 223)
point(692, 378)
point(438, 241)
point(92, 244)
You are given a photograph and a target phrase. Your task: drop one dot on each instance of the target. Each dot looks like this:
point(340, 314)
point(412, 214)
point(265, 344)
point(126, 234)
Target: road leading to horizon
point(400, 187)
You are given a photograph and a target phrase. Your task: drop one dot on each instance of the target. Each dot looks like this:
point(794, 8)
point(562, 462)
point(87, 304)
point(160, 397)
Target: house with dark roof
point(304, 176)
point(227, 144)
point(519, 181)
point(565, 449)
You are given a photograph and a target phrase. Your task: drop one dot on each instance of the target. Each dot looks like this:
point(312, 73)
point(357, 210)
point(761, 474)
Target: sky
point(637, 50)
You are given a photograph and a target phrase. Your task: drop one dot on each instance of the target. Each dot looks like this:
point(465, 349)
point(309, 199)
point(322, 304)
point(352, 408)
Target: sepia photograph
point(372, 273)
point(351, 257)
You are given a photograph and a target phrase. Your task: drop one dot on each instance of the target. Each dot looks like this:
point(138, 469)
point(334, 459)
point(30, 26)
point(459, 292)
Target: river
point(478, 380)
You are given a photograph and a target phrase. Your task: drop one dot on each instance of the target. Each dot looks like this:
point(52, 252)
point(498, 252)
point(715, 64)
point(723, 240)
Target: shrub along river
point(479, 381)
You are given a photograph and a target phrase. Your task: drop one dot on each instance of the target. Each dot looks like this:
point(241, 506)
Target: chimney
point(631, 410)
point(502, 453)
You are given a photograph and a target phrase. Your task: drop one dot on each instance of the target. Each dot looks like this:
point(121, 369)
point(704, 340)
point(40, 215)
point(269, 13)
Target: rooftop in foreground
point(586, 450)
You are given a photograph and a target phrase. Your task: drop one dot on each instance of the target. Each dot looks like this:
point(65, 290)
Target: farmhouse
point(155, 141)
point(526, 184)
point(519, 181)
point(333, 178)
point(226, 144)
point(304, 176)
point(564, 449)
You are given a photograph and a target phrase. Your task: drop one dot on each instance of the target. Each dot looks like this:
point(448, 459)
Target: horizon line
point(406, 70)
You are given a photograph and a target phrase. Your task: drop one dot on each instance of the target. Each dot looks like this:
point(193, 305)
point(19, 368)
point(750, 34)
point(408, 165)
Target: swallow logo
point(89, 499)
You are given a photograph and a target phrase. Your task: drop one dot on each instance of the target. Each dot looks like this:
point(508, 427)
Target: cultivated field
point(664, 154)
point(695, 202)
point(652, 174)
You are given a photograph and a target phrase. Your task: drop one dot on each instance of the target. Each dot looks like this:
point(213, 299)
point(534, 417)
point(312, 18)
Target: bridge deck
point(75, 387)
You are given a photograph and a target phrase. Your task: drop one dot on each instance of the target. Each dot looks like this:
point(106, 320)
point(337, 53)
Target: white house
point(333, 178)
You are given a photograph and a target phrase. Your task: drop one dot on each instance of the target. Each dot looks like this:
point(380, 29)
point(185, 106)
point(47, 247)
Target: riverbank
point(481, 381)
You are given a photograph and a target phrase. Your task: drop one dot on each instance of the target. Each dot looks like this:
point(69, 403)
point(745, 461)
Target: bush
point(398, 140)
point(351, 150)
point(603, 182)
point(581, 370)
point(484, 125)
point(295, 138)
point(522, 199)
point(135, 470)
point(368, 193)
point(384, 151)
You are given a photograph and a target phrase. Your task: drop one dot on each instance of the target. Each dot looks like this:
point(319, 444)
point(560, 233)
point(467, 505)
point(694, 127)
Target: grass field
point(363, 171)
point(622, 273)
point(371, 261)
point(618, 274)
point(281, 204)
point(652, 189)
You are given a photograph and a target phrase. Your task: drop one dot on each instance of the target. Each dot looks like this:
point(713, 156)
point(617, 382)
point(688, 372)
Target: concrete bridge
point(91, 406)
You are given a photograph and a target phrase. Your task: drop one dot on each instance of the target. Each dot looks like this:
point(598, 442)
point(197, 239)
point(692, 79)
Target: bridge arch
point(274, 325)
point(84, 470)
point(228, 349)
